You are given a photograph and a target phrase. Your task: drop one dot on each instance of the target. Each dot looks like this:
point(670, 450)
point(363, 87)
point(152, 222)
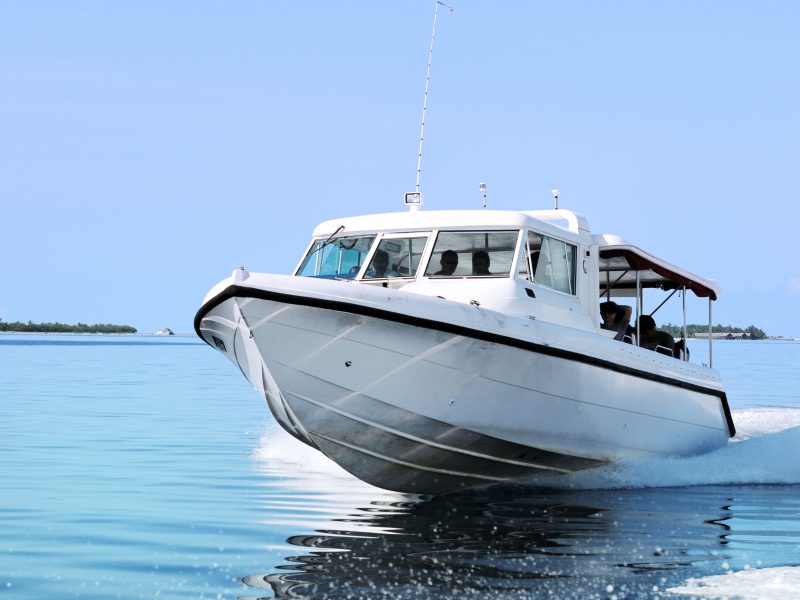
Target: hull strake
point(410, 452)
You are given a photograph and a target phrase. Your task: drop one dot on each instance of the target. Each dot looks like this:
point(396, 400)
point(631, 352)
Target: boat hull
point(414, 403)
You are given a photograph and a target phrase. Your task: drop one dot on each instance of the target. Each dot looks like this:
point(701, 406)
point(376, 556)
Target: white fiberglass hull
point(418, 394)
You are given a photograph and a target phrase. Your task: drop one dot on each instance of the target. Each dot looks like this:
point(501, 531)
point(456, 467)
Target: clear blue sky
point(149, 148)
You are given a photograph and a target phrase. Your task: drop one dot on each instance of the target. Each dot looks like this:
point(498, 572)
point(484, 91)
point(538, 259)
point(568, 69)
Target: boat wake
point(763, 452)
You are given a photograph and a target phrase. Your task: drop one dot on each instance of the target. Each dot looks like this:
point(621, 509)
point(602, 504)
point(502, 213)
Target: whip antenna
point(427, 81)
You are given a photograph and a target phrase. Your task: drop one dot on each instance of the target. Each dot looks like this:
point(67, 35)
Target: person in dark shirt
point(480, 263)
point(449, 262)
point(615, 318)
point(653, 339)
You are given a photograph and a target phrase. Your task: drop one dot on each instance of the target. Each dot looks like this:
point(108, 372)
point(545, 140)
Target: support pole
point(685, 337)
point(710, 357)
point(663, 302)
point(639, 308)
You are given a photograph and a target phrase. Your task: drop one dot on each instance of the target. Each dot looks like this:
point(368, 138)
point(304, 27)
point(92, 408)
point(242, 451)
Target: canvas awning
point(620, 261)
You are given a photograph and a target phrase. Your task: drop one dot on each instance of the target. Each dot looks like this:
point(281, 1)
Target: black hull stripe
point(368, 311)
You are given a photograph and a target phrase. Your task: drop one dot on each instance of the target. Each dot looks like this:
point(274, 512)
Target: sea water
point(147, 467)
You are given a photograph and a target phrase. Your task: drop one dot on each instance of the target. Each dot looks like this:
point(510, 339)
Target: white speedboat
point(433, 351)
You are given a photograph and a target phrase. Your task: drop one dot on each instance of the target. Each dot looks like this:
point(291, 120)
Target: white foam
point(296, 467)
point(754, 422)
point(277, 446)
point(750, 584)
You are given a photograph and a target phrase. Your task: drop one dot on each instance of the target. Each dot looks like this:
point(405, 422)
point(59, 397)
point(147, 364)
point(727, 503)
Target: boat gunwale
point(234, 290)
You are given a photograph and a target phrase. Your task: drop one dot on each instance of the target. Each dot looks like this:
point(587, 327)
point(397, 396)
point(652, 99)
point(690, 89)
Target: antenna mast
point(427, 81)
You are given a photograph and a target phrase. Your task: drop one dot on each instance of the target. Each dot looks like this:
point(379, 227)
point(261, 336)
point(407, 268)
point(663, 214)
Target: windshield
point(341, 257)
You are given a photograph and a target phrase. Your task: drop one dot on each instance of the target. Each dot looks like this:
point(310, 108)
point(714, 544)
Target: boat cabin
point(542, 265)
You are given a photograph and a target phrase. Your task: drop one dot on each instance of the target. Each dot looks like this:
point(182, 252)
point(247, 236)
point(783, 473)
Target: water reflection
point(511, 543)
point(346, 539)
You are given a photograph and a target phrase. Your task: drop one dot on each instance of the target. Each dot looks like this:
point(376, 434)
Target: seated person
point(653, 339)
point(379, 268)
point(449, 262)
point(615, 318)
point(480, 263)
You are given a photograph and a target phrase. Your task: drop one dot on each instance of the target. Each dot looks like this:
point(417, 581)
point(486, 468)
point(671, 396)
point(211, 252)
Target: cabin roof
point(620, 260)
point(555, 222)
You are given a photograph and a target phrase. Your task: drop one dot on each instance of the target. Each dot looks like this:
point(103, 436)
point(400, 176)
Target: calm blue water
point(136, 467)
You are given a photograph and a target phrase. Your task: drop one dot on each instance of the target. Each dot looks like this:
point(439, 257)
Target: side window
point(571, 259)
point(473, 254)
point(552, 262)
point(396, 257)
point(341, 257)
point(534, 252)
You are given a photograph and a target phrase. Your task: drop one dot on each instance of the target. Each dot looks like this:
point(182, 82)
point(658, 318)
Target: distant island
point(29, 327)
point(717, 331)
point(693, 331)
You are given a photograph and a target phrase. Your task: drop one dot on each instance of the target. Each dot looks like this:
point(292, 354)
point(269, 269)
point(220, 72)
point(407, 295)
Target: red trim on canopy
point(641, 263)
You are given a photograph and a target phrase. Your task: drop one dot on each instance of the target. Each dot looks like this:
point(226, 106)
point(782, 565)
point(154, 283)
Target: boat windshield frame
point(503, 242)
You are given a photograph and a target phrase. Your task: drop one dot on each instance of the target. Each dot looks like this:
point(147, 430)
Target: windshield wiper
point(325, 243)
point(330, 239)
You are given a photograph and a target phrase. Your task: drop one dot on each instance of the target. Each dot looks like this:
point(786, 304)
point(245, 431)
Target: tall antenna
point(427, 81)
